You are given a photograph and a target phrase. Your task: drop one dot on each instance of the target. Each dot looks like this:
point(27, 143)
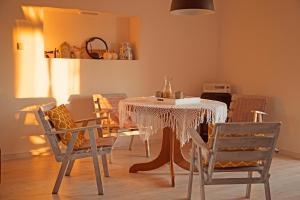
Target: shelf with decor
point(87, 63)
point(73, 33)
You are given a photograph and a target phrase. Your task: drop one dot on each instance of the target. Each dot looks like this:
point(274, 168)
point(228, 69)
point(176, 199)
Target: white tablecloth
point(151, 116)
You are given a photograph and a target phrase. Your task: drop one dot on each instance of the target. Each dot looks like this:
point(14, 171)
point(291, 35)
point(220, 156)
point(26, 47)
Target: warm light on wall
point(37, 139)
point(33, 14)
point(43, 151)
point(65, 78)
point(36, 76)
point(30, 119)
point(31, 74)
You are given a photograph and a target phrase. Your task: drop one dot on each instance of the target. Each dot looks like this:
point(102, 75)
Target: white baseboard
point(16, 156)
point(289, 153)
point(122, 143)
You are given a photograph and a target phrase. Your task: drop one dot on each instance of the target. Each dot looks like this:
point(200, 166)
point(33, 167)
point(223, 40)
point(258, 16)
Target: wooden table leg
point(170, 153)
point(172, 173)
point(0, 166)
point(160, 160)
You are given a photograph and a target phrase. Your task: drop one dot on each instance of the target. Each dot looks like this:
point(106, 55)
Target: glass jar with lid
point(126, 51)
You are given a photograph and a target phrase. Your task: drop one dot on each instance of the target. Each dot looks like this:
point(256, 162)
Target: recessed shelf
point(90, 63)
point(69, 25)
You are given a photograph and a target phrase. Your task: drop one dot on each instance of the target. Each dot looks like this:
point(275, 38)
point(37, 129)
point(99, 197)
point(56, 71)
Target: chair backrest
point(81, 106)
point(109, 101)
point(242, 105)
point(244, 142)
point(48, 128)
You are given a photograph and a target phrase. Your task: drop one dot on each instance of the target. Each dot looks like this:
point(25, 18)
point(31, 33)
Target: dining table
point(153, 115)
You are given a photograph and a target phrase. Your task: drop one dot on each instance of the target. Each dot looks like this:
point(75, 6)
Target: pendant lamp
point(192, 7)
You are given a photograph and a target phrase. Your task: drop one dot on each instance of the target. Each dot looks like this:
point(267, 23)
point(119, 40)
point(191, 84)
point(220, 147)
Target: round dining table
point(153, 115)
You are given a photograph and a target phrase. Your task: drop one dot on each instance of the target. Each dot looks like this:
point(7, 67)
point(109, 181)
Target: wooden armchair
point(107, 106)
point(247, 108)
point(88, 148)
point(235, 142)
point(242, 108)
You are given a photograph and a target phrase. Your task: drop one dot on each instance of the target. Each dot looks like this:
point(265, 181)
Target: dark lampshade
point(192, 7)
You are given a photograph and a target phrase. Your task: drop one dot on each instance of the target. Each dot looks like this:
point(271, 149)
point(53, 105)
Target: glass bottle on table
point(167, 90)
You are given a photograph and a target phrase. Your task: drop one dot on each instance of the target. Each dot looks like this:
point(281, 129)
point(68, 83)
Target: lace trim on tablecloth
point(151, 117)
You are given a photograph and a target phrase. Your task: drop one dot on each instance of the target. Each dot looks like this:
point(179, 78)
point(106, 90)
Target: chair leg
point(96, 163)
point(110, 157)
point(267, 190)
point(98, 175)
point(131, 142)
point(70, 167)
point(201, 175)
point(64, 164)
point(248, 189)
point(192, 169)
point(147, 146)
point(105, 167)
point(100, 132)
point(60, 176)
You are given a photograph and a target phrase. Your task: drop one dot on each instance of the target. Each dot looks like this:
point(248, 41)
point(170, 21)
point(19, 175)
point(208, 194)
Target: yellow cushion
point(228, 164)
point(61, 119)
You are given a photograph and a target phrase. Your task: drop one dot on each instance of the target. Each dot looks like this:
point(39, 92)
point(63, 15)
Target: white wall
point(252, 44)
point(180, 46)
point(259, 54)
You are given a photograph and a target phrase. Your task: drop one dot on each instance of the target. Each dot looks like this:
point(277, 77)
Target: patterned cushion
point(61, 119)
point(228, 164)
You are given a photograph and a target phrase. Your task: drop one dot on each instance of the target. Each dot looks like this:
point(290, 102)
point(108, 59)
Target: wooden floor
point(33, 178)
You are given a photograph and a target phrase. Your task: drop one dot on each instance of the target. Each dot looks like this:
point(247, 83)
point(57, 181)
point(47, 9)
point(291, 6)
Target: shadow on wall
point(28, 126)
point(22, 135)
point(37, 81)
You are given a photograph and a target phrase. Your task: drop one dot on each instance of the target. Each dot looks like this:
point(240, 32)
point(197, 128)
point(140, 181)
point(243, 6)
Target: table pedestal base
point(170, 153)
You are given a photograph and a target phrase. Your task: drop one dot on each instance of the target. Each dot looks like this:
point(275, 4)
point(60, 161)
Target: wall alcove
point(76, 26)
point(45, 29)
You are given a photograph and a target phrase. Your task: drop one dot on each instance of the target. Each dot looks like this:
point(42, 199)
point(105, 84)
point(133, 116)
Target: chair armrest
point(197, 139)
point(75, 130)
point(259, 112)
point(106, 110)
point(85, 120)
point(258, 115)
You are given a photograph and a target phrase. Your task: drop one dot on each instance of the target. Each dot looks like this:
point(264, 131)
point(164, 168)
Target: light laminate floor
point(33, 179)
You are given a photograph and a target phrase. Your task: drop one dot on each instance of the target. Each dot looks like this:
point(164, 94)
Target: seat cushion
point(229, 164)
point(61, 119)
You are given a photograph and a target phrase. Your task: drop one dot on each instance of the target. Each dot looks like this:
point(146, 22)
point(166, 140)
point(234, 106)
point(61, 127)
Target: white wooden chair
point(242, 108)
point(251, 142)
point(92, 148)
point(106, 105)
